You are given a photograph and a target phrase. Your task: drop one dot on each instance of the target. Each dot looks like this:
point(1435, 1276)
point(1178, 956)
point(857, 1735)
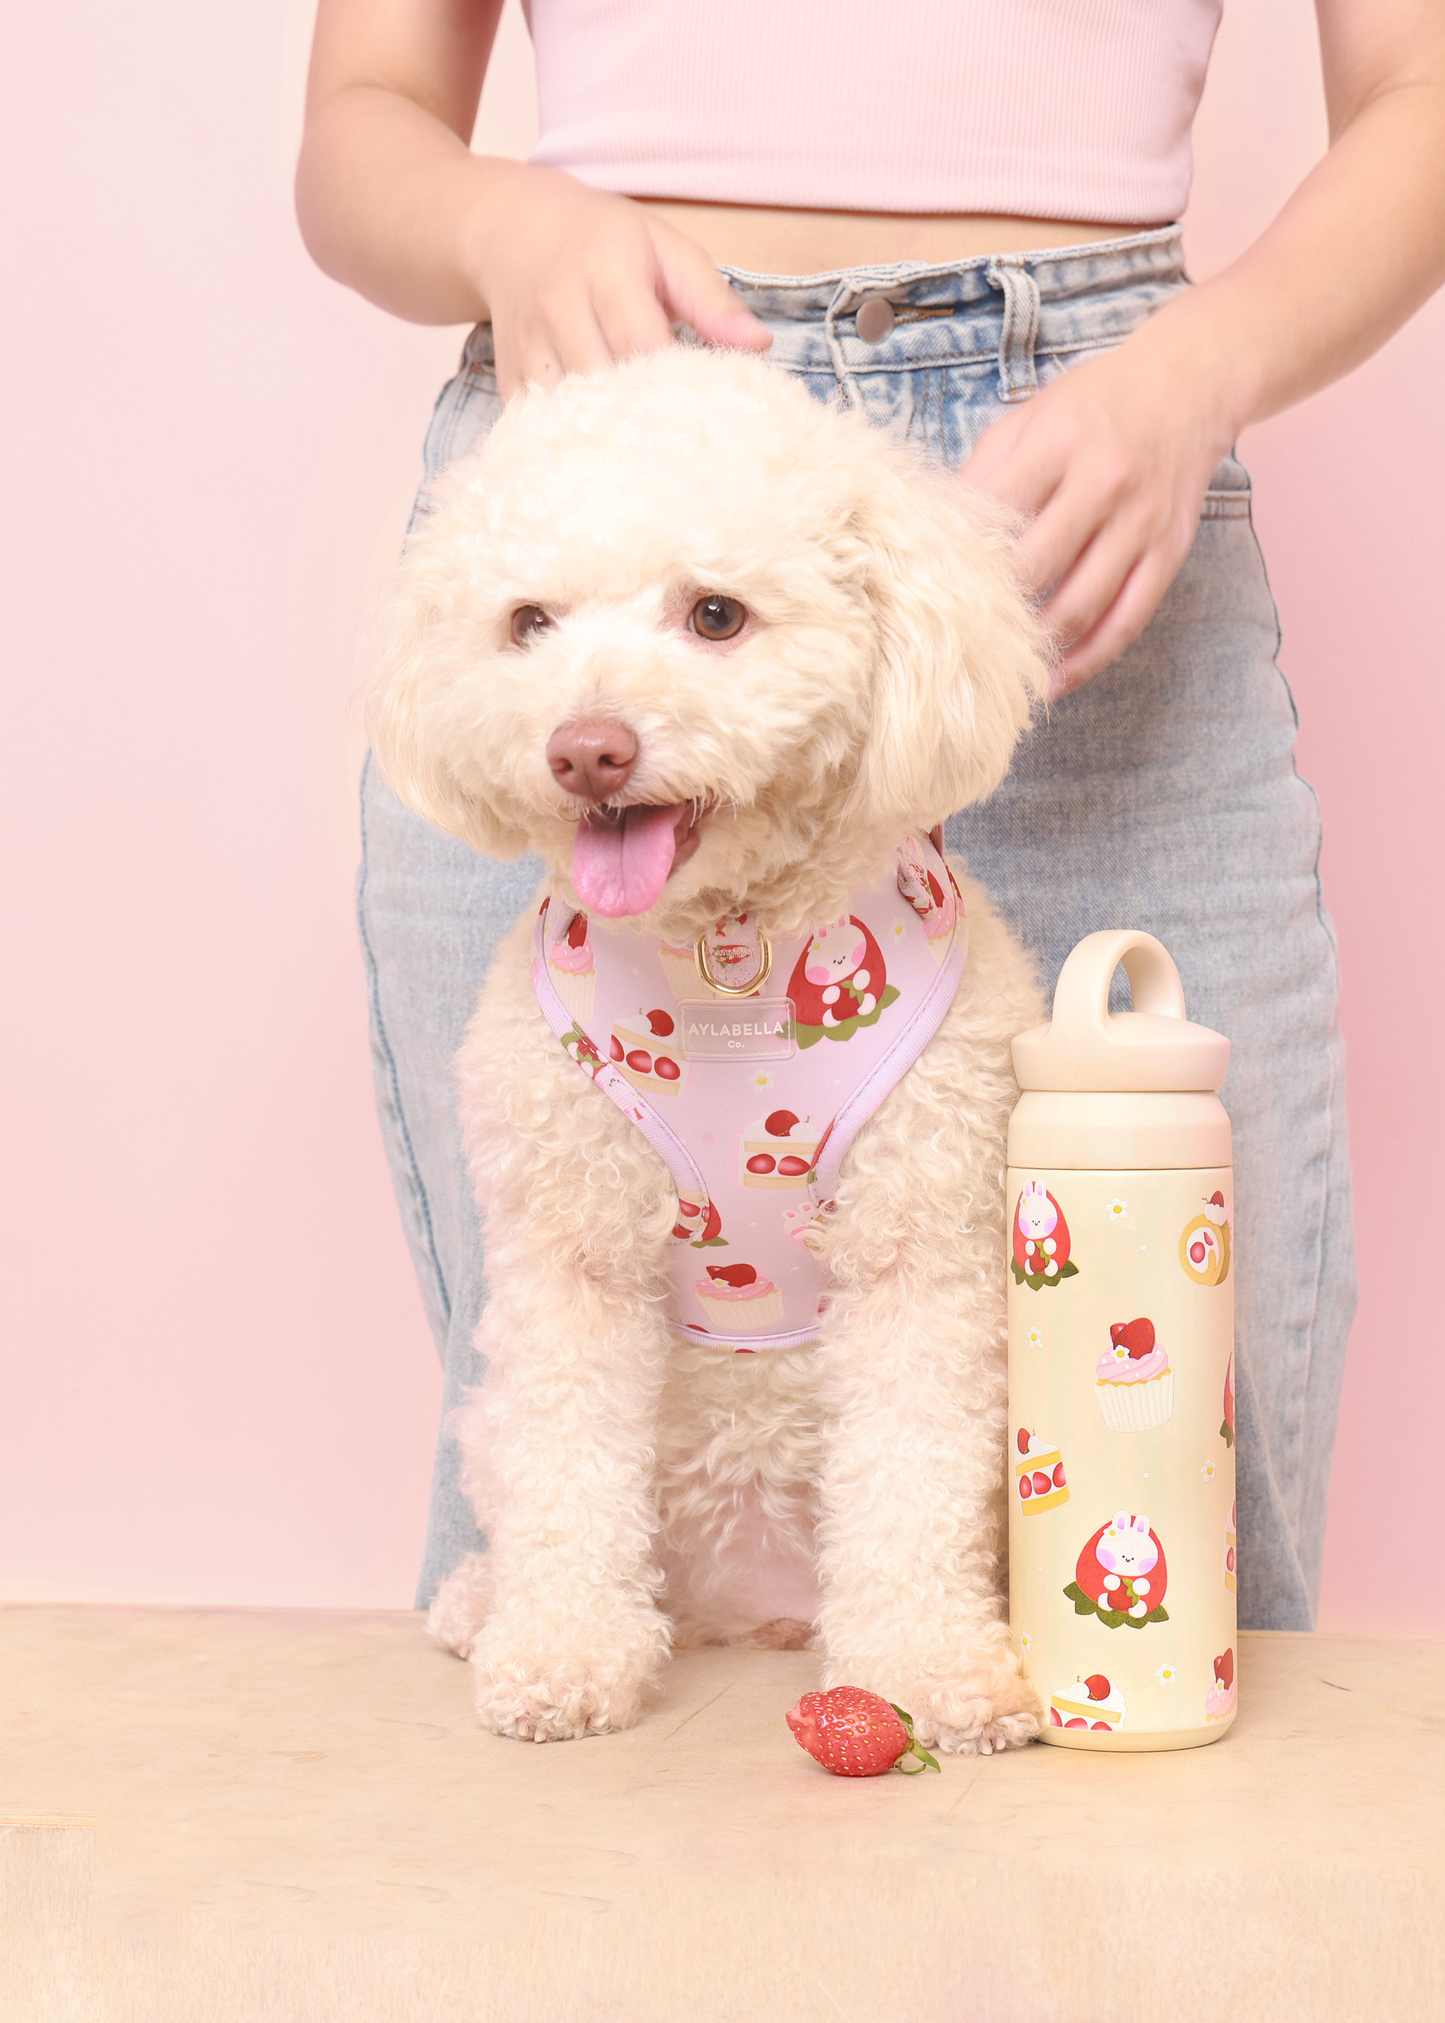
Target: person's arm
point(1114, 457)
point(392, 202)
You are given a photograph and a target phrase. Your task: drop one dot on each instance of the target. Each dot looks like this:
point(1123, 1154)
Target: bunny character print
point(1121, 1575)
point(839, 983)
point(1040, 1239)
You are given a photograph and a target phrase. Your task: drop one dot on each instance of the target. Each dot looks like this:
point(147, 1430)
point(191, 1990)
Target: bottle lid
point(1086, 1046)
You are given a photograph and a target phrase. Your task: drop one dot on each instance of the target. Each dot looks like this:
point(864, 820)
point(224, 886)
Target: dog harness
point(751, 1067)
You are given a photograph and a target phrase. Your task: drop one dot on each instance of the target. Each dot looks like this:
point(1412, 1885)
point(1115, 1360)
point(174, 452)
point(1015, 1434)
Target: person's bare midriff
point(762, 240)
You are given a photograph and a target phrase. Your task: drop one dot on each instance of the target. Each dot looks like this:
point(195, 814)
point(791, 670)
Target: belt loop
point(1017, 377)
point(842, 298)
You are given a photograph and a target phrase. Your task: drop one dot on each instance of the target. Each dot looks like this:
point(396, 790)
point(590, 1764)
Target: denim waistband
point(1004, 307)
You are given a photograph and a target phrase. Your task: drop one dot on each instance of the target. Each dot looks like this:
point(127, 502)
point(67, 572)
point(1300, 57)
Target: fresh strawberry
point(857, 1734)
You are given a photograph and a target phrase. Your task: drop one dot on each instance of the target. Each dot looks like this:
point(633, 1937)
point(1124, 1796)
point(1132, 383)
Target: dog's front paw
point(543, 1687)
point(986, 1709)
point(983, 1707)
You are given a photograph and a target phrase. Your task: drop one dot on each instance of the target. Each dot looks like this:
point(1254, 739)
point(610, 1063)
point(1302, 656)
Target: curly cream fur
point(637, 1493)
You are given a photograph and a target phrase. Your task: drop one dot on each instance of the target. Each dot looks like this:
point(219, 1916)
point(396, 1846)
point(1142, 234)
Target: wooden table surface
point(260, 1816)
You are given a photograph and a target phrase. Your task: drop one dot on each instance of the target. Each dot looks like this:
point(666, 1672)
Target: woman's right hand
point(393, 202)
point(576, 278)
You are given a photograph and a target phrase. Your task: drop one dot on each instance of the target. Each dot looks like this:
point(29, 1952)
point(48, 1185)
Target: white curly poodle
point(738, 644)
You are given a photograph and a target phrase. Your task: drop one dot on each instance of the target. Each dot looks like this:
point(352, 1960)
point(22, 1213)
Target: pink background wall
point(217, 1382)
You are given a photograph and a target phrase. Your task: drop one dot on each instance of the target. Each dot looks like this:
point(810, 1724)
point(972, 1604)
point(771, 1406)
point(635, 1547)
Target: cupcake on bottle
point(1133, 1381)
point(1219, 1700)
point(738, 1299)
point(571, 970)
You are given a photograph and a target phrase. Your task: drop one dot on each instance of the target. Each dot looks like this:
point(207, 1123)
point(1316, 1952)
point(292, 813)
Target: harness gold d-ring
point(754, 983)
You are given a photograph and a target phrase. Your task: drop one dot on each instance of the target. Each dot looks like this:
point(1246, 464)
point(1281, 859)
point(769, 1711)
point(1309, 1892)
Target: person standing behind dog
point(958, 218)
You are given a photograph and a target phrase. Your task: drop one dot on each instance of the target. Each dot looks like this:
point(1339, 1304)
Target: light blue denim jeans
point(1163, 796)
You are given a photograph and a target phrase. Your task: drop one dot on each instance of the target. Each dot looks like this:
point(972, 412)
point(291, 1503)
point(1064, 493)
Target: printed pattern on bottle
point(1121, 1576)
point(1125, 1382)
point(1041, 1246)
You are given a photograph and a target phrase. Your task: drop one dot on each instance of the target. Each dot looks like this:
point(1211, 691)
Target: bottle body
point(1121, 1448)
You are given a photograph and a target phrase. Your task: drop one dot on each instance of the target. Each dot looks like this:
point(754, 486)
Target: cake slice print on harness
point(762, 1179)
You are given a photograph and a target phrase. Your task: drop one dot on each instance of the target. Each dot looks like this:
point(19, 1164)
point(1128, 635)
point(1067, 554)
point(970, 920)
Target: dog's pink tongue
point(619, 867)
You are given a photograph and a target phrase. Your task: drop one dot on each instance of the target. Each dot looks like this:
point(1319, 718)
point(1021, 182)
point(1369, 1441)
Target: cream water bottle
point(1121, 1361)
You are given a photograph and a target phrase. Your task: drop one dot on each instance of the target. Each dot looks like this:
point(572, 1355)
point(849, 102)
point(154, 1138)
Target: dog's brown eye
point(717, 617)
point(527, 621)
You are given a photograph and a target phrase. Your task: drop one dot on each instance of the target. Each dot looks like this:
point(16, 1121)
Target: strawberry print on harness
point(754, 1142)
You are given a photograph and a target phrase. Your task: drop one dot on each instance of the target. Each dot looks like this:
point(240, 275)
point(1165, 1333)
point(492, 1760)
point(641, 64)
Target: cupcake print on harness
point(739, 1299)
point(754, 1133)
point(570, 967)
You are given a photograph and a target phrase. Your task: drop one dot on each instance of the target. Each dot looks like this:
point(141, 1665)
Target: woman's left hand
point(1110, 462)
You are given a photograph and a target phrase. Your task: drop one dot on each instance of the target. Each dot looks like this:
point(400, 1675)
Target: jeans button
point(874, 319)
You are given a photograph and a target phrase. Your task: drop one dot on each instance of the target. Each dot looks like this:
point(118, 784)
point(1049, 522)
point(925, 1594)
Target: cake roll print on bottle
point(1121, 1341)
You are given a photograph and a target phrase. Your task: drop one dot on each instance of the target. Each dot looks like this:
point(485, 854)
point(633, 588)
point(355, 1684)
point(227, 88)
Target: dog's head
point(702, 642)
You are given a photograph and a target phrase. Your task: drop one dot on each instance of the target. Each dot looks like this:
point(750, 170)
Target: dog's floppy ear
point(419, 649)
point(961, 655)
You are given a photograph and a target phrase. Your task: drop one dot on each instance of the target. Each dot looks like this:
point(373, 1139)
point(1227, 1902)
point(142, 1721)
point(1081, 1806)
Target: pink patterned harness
point(752, 1082)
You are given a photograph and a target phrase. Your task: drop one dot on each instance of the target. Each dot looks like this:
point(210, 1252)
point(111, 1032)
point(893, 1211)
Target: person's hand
point(576, 278)
point(1111, 462)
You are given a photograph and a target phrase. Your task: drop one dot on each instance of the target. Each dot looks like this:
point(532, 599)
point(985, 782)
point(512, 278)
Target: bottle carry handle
point(1081, 995)
point(1154, 1047)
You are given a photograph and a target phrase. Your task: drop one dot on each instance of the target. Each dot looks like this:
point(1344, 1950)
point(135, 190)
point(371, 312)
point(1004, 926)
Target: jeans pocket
point(466, 411)
point(1229, 494)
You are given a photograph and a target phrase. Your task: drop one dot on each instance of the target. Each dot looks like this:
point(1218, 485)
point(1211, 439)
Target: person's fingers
point(1116, 629)
point(567, 321)
point(1018, 467)
point(1029, 456)
point(533, 362)
point(693, 292)
point(1095, 576)
point(1052, 543)
point(628, 312)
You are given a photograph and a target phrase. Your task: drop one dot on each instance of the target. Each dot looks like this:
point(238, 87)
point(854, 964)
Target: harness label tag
point(749, 1029)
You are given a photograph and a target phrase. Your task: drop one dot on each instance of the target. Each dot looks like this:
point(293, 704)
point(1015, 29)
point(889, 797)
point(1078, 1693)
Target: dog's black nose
point(592, 759)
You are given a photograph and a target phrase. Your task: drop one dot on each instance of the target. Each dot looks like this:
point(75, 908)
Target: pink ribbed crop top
point(1077, 109)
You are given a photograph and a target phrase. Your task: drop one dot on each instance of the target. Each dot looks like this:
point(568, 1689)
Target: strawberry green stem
point(916, 1749)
